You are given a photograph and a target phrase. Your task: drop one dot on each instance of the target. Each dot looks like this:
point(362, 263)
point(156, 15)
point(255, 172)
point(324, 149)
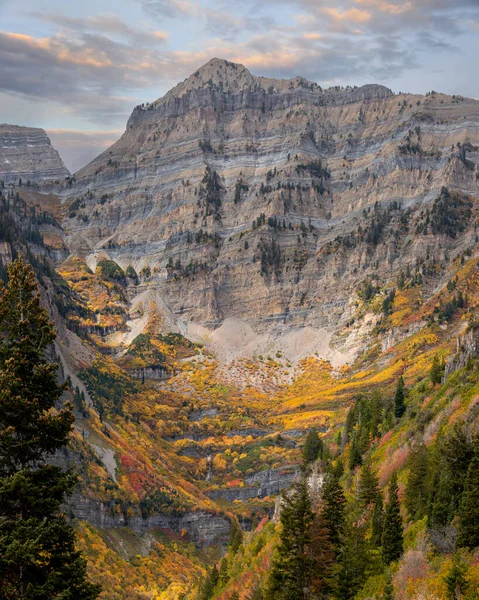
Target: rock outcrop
point(203, 528)
point(269, 482)
point(27, 154)
point(467, 348)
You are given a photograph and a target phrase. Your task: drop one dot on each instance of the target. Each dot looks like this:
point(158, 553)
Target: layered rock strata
point(265, 200)
point(27, 156)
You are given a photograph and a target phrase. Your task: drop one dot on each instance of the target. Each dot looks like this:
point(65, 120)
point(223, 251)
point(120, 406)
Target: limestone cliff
point(27, 154)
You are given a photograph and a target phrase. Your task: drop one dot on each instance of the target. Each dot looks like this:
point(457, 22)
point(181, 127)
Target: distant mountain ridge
point(26, 154)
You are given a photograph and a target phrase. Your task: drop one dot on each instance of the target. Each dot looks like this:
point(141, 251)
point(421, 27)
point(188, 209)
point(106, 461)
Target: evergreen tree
point(377, 520)
point(388, 593)
point(236, 538)
point(313, 447)
point(376, 413)
point(353, 562)
point(392, 540)
point(468, 535)
point(417, 492)
point(209, 584)
point(355, 456)
point(292, 568)
point(399, 405)
point(333, 509)
point(338, 469)
point(455, 581)
point(437, 370)
point(368, 483)
point(322, 553)
point(442, 509)
point(223, 572)
point(38, 559)
point(257, 592)
point(457, 450)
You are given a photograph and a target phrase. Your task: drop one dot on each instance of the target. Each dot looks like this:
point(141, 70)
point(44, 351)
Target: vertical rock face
point(26, 153)
point(467, 348)
point(266, 200)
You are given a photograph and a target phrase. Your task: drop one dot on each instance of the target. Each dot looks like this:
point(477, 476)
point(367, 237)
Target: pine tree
point(377, 521)
point(399, 406)
point(468, 535)
point(437, 370)
point(37, 544)
point(313, 447)
point(392, 540)
point(368, 483)
point(333, 509)
point(417, 491)
point(292, 568)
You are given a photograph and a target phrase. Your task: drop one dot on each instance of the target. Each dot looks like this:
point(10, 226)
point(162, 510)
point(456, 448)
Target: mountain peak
point(224, 76)
point(217, 74)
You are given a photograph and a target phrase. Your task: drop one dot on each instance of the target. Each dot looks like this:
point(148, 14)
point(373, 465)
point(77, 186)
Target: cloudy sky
point(77, 68)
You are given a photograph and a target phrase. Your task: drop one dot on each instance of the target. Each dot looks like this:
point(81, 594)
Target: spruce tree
point(338, 469)
point(368, 483)
point(355, 456)
point(392, 540)
point(468, 535)
point(313, 446)
point(322, 552)
point(236, 537)
point(442, 509)
point(417, 489)
point(388, 593)
point(333, 509)
point(455, 580)
point(292, 568)
point(38, 559)
point(377, 521)
point(437, 370)
point(353, 562)
point(399, 405)
point(223, 572)
point(209, 584)
point(457, 451)
point(376, 413)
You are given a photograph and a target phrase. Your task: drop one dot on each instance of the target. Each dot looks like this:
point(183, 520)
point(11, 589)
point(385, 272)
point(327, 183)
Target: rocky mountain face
point(27, 154)
point(272, 201)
